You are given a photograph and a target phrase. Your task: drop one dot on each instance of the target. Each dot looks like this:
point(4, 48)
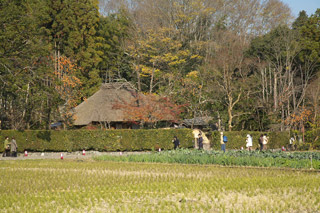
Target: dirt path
point(66, 155)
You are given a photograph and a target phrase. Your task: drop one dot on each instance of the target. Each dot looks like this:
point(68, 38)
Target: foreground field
point(85, 185)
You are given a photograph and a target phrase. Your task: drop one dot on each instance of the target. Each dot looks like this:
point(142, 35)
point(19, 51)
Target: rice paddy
point(103, 186)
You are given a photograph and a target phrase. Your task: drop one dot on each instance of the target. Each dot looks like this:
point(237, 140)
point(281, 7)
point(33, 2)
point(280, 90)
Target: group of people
point(176, 142)
point(10, 148)
point(263, 141)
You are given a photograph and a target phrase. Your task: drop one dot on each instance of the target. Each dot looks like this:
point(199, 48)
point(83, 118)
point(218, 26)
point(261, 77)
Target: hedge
point(100, 140)
point(137, 140)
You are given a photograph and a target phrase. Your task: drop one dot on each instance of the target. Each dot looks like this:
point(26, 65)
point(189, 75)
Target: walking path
point(66, 155)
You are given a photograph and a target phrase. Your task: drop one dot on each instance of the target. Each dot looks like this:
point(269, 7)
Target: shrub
point(110, 140)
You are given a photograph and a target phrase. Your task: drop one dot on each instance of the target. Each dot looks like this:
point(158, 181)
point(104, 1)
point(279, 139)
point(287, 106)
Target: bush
point(110, 140)
point(313, 137)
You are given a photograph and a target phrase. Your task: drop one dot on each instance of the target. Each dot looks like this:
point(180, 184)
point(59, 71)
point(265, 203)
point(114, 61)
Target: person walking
point(13, 147)
point(6, 144)
point(176, 142)
point(291, 143)
point(261, 142)
point(265, 141)
point(249, 142)
point(200, 141)
point(223, 140)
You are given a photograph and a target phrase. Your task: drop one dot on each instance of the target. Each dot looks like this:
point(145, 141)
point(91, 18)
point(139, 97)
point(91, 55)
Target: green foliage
point(230, 158)
point(24, 69)
point(110, 140)
point(313, 137)
point(33, 35)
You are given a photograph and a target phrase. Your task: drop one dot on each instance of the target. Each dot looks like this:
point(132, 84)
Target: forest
point(249, 63)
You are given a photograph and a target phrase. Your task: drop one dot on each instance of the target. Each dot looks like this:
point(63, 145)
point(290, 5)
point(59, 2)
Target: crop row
point(299, 160)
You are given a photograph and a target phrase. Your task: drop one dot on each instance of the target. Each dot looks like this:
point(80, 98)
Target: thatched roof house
point(99, 108)
point(199, 122)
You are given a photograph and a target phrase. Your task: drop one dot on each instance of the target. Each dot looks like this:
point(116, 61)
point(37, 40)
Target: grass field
point(96, 186)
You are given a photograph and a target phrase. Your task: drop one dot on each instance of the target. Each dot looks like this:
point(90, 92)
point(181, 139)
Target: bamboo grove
point(249, 63)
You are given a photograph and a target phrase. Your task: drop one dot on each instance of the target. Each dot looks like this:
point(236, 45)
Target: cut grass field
point(103, 186)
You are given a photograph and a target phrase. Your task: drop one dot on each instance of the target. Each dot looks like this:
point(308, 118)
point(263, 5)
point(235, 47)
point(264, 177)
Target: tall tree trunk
point(230, 117)
point(275, 92)
point(151, 81)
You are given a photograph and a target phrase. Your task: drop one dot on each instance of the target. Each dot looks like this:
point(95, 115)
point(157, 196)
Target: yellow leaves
point(196, 57)
point(147, 71)
point(193, 74)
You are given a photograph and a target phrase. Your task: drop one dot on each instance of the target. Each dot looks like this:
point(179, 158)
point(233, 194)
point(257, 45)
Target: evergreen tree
point(72, 32)
point(24, 70)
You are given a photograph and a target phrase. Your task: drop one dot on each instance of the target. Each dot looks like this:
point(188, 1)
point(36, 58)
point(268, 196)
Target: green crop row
point(110, 140)
point(230, 158)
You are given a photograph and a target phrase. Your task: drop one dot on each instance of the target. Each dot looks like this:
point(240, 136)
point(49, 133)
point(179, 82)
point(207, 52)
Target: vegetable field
point(104, 186)
point(297, 160)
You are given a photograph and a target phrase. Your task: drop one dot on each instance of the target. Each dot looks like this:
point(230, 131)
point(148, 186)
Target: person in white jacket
point(249, 142)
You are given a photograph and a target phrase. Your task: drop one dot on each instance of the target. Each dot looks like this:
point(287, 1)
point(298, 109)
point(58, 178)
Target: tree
point(68, 87)
point(72, 32)
point(111, 34)
point(149, 109)
point(157, 58)
point(228, 73)
point(24, 68)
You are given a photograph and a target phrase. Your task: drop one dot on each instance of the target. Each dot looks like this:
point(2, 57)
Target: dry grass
point(73, 186)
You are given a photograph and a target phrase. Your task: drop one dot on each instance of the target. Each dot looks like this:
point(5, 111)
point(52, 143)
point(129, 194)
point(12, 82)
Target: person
point(13, 147)
point(291, 143)
point(261, 142)
point(265, 141)
point(200, 141)
point(176, 142)
point(249, 142)
point(6, 144)
point(223, 142)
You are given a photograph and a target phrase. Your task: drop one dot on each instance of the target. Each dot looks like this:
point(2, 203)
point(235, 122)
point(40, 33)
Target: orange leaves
point(299, 118)
point(150, 109)
point(68, 85)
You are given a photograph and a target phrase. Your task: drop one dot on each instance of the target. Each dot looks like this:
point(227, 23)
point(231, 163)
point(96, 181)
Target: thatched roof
point(100, 106)
point(198, 121)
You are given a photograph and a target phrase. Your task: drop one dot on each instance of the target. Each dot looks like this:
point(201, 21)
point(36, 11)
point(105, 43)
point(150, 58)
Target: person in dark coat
point(200, 141)
point(176, 142)
point(261, 142)
point(13, 147)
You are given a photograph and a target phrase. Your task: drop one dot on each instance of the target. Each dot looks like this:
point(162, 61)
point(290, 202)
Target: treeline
point(247, 63)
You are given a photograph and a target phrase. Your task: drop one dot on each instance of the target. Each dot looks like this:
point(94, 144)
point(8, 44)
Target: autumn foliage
point(67, 85)
point(150, 109)
point(298, 119)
